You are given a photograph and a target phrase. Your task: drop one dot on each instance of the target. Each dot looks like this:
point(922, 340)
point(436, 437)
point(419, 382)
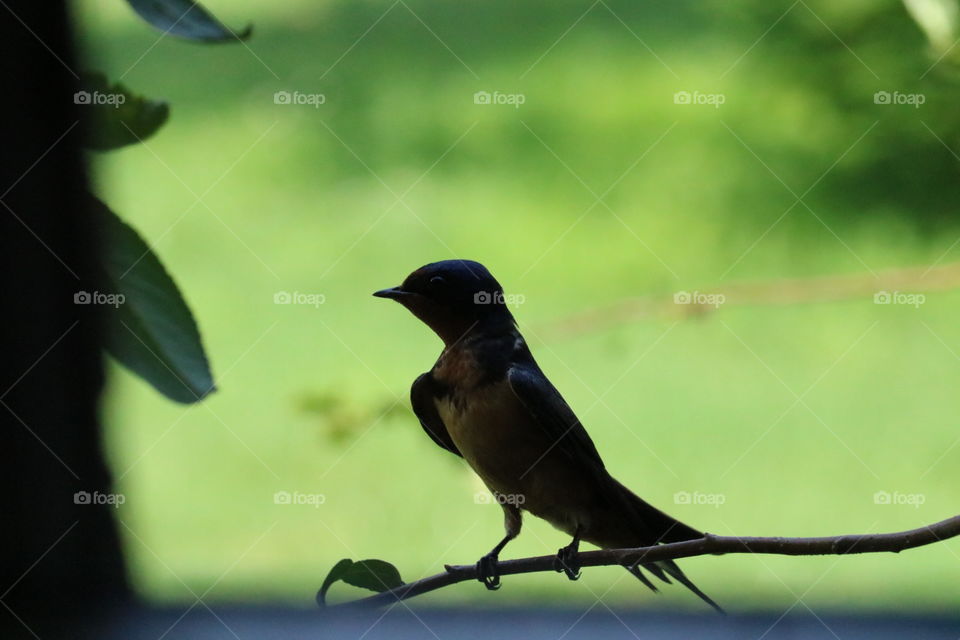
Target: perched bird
point(486, 400)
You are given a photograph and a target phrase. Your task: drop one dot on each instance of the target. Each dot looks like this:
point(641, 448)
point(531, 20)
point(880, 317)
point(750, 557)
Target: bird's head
point(452, 297)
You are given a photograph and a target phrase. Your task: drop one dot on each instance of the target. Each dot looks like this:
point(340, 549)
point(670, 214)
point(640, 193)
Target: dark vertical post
point(59, 558)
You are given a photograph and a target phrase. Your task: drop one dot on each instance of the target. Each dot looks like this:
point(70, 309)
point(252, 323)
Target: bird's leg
point(566, 560)
point(487, 570)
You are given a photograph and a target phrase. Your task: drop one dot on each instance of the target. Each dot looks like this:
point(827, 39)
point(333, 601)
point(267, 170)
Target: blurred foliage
point(833, 59)
point(341, 419)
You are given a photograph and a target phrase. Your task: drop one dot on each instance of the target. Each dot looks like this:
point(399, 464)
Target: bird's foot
point(488, 572)
point(567, 561)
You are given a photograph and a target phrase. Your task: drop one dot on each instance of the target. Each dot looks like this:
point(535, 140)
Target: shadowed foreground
point(596, 622)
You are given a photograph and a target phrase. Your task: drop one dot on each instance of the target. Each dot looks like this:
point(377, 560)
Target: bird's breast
point(509, 451)
point(493, 432)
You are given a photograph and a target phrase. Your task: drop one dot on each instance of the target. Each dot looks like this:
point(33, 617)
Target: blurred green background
point(243, 198)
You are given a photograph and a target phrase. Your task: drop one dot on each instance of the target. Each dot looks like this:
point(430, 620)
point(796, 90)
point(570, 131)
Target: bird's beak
point(393, 293)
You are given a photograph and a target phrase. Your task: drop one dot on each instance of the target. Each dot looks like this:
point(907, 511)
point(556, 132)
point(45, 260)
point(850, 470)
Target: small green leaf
point(375, 575)
point(116, 116)
point(186, 19)
point(150, 330)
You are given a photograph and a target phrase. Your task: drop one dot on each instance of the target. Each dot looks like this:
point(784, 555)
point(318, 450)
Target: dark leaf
point(151, 330)
point(335, 574)
point(375, 575)
point(116, 116)
point(186, 19)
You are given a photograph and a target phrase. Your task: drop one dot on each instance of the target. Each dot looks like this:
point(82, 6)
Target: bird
point(487, 400)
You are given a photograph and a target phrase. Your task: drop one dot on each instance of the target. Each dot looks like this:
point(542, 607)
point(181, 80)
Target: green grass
point(705, 405)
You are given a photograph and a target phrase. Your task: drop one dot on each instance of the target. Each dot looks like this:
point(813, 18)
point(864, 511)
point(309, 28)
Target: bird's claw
point(567, 562)
point(488, 572)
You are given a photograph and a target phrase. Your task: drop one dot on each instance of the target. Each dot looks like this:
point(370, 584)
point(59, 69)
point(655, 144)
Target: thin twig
point(830, 545)
point(785, 291)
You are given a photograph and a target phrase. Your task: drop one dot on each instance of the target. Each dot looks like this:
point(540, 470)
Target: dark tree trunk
point(60, 561)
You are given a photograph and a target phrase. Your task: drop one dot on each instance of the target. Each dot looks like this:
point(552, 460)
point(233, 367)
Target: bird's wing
point(421, 398)
point(553, 415)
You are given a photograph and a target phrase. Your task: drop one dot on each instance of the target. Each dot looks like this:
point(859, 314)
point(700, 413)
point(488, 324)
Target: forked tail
point(655, 527)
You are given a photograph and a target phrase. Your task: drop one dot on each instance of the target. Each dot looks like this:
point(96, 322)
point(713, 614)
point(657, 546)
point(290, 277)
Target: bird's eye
point(437, 281)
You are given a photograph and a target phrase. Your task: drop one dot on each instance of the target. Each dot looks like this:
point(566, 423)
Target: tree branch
point(710, 544)
point(782, 291)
